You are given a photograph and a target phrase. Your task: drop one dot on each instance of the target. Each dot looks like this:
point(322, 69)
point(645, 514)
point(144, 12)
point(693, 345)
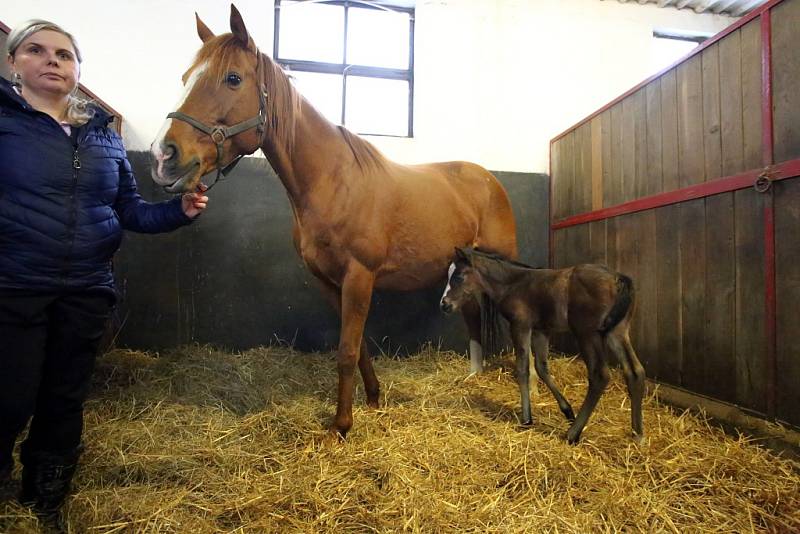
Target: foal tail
point(625, 296)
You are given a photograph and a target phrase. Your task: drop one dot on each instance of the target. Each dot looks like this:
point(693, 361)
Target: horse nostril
point(170, 151)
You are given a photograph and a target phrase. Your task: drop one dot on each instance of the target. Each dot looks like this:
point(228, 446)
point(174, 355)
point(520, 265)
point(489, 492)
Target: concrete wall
point(234, 279)
point(495, 80)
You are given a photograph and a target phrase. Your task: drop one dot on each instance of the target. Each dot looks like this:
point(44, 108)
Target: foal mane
point(283, 100)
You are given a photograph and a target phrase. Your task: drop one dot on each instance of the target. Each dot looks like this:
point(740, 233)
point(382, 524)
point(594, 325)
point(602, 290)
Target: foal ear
point(237, 26)
point(202, 30)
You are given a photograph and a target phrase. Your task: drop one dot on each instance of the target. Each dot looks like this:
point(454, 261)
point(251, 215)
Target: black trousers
point(48, 346)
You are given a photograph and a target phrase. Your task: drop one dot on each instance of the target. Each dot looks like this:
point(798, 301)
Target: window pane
point(377, 106)
point(323, 91)
point(377, 38)
point(311, 31)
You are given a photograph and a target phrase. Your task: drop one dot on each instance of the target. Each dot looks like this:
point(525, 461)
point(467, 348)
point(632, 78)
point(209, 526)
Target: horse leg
point(356, 295)
point(471, 311)
point(371, 386)
point(619, 343)
point(521, 336)
point(541, 349)
point(593, 356)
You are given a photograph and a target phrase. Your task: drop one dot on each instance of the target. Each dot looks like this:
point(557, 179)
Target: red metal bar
point(770, 304)
point(705, 44)
point(781, 171)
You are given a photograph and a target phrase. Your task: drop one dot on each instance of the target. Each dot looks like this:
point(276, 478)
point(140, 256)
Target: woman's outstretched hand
point(194, 203)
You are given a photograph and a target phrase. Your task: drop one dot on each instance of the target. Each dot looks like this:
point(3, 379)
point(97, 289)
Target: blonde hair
point(79, 110)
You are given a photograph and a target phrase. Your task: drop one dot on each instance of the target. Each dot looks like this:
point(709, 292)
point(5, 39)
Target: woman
point(66, 194)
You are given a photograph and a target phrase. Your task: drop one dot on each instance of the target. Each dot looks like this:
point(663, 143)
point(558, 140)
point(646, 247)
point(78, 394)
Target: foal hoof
point(637, 438)
point(573, 437)
point(526, 424)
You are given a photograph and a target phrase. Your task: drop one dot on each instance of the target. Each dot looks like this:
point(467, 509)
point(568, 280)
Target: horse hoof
point(373, 404)
point(527, 424)
point(637, 438)
point(335, 434)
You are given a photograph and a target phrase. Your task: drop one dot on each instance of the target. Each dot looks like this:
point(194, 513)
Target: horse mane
point(283, 100)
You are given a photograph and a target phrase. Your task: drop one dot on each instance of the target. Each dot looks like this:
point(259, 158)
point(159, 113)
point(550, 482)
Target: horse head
point(463, 281)
point(221, 115)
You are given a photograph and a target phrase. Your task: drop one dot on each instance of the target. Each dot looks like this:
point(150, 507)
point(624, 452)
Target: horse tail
point(492, 338)
point(625, 296)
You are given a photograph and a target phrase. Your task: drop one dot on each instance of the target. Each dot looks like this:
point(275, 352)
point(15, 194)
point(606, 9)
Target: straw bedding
point(198, 440)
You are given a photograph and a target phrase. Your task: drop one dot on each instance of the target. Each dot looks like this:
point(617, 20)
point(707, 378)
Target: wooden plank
point(720, 375)
point(612, 188)
point(669, 131)
point(560, 249)
point(597, 242)
point(668, 296)
point(751, 94)
point(787, 270)
point(750, 349)
point(691, 164)
point(597, 162)
point(612, 245)
point(640, 137)
point(583, 169)
point(730, 76)
point(646, 284)
point(653, 183)
point(568, 172)
point(555, 180)
point(628, 177)
point(608, 178)
point(786, 80)
point(712, 138)
point(692, 229)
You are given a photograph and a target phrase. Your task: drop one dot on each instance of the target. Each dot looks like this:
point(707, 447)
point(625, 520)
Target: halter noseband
point(219, 134)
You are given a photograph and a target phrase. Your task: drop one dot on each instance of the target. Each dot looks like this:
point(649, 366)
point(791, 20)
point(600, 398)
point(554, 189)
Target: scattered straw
point(199, 441)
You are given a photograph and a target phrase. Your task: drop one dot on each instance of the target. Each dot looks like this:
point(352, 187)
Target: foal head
point(221, 115)
point(463, 281)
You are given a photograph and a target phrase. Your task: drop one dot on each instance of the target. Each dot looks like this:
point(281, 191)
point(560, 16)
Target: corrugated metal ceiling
point(733, 8)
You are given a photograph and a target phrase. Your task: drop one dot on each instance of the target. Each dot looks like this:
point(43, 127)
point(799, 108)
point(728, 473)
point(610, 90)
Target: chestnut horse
point(361, 221)
point(595, 304)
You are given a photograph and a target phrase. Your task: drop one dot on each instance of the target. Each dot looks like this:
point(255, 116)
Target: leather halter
point(219, 134)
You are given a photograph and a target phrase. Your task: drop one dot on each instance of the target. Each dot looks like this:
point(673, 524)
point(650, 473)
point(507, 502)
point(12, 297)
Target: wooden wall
point(700, 265)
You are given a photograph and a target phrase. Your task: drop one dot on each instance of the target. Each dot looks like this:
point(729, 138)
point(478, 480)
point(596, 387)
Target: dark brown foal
point(590, 301)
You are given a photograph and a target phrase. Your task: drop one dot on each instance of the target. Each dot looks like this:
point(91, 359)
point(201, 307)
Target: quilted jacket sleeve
point(138, 215)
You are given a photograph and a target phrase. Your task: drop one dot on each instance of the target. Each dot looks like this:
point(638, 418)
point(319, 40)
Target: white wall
point(495, 80)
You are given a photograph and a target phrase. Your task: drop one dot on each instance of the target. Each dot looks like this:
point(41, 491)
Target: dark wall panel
point(233, 278)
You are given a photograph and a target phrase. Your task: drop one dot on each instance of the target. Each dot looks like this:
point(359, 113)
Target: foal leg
point(471, 311)
point(619, 343)
point(521, 336)
point(371, 386)
point(541, 348)
point(356, 295)
point(592, 351)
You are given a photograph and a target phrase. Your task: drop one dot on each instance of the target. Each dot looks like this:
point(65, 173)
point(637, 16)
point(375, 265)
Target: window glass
point(665, 52)
point(323, 91)
point(377, 106)
point(311, 31)
point(377, 38)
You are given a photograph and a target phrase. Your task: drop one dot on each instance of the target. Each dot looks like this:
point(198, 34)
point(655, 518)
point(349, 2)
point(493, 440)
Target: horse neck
point(500, 279)
point(313, 157)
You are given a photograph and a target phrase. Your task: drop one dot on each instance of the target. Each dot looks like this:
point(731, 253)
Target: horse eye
point(233, 79)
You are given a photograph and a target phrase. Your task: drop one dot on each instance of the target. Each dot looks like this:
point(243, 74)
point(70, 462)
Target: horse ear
point(202, 30)
point(237, 26)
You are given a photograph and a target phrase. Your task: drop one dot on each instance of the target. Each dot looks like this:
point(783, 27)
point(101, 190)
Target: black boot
point(46, 478)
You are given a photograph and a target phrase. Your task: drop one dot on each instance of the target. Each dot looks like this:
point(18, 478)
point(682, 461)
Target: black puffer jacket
point(64, 201)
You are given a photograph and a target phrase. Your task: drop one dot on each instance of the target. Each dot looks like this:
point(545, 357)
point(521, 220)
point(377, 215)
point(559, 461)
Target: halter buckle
point(218, 135)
